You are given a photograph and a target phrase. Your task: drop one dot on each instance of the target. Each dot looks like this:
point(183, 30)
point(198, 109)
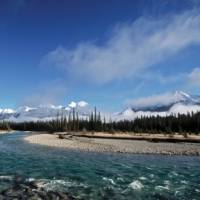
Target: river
point(100, 175)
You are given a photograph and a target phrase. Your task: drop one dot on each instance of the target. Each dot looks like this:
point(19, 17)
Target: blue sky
point(104, 52)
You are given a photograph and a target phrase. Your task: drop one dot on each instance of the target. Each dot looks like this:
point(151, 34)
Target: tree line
point(181, 123)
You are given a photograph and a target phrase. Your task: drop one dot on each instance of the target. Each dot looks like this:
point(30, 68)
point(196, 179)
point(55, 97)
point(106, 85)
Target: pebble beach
point(114, 145)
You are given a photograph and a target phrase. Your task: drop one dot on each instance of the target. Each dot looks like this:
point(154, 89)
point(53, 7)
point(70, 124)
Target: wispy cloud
point(130, 49)
point(161, 78)
point(159, 99)
point(194, 77)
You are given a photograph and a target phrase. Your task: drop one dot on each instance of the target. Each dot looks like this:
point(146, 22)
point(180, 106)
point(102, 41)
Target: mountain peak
point(163, 102)
point(72, 104)
point(78, 104)
point(24, 109)
point(7, 111)
point(181, 95)
point(82, 103)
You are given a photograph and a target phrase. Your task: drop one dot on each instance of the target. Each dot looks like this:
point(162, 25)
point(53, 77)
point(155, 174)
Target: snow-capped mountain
point(6, 113)
point(162, 105)
point(44, 112)
point(163, 102)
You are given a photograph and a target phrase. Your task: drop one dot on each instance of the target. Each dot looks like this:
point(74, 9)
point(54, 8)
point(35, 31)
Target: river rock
point(21, 189)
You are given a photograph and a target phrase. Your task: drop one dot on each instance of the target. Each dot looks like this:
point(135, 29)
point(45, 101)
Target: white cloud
point(194, 77)
point(160, 99)
point(151, 75)
point(131, 48)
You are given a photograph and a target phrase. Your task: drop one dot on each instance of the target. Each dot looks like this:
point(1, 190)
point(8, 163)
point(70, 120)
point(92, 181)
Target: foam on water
point(151, 175)
point(196, 190)
point(149, 168)
point(172, 174)
point(184, 182)
point(30, 179)
point(167, 182)
point(109, 180)
point(136, 185)
point(160, 187)
point(177, 193)
point(9, 178)
point(55, 184)
point(142, 178)
point(58, 184)
point(120, 179)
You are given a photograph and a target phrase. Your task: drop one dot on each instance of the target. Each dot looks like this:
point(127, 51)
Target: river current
point(100, 175)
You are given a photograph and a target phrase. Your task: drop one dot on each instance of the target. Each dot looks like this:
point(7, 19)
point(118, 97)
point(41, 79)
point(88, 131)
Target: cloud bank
point(130, 49)
point(160, 99)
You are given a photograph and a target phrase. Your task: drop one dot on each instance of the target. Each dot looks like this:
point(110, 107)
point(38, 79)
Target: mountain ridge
point(162, 105)
point(177, 102)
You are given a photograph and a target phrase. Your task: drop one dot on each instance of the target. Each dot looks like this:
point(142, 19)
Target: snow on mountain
point(184, 109)
point(82, 104)
point(162, 102)
point(78, 104)
point(82, 107)
point(162, 105)
point(72, 104)
point(6, 111)
point(44, 112)
point(129, 114)
point(24, 109)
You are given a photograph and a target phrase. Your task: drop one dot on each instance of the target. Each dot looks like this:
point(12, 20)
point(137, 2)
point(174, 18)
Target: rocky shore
point(22, 189)
point(115, 145)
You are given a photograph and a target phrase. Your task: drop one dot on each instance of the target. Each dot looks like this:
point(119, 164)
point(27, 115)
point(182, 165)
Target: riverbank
point(114, 145)
point(141, 136)
point(6, 131)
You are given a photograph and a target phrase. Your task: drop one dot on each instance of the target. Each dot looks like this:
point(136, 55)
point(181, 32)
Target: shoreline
point(93, 144)
point(6, 132)
point(143, 136)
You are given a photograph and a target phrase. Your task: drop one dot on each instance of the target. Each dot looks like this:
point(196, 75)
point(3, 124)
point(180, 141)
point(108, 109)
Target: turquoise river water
point(100, 175)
